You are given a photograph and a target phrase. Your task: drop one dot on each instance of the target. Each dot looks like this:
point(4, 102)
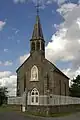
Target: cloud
point(66, 8)
point(71, 73)
point(8, 63)
point(19, 1)
point(43, 3)
point(10, 37)
point(18, 41)
point(59, 2)
point(0, 62)
point(79, 2)
point(9, 80)
point(56, 49)
point(2, 24)
point(5, 74)
point(16, 32)
point(65, 44)
point(56, 26)
point(5, 50)
point(23, 58)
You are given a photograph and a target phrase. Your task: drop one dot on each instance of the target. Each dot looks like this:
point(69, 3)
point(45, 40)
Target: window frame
point(35, 97)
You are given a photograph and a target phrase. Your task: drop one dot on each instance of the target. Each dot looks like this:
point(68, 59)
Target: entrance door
point(34, 97)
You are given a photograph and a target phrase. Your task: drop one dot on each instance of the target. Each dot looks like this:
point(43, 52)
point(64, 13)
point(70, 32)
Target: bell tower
point(37, 41)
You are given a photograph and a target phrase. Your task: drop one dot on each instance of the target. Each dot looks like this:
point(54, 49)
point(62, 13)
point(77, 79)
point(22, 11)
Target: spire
point(37, 40)
point(37, 31)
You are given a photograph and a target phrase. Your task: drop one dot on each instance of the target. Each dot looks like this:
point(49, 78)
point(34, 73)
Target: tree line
point(3, 95)
point(74, 89)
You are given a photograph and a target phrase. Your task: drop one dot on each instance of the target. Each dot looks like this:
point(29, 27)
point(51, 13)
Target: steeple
point(37, 31)
point(37, 40)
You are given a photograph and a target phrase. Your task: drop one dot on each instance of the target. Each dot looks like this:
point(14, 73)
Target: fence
point(54, 100)
point(18, 100)
point(15, 100)
point(45, 100)
point(63, 100)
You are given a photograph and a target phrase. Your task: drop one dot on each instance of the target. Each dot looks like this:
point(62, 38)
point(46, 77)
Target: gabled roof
point(58, 70)
point(23, 63)
point(55, 68)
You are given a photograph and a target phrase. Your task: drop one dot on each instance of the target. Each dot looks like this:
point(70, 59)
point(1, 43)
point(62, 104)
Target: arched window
point(34, 73)
point(18, 87)
point(33, 46)
point(42, 46)
point(38, 45)
point(34, 97)
point(24, 82)
point(60, 86)
point(65, 88)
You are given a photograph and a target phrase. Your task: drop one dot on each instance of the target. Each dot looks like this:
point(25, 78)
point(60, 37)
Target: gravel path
point(18, 116)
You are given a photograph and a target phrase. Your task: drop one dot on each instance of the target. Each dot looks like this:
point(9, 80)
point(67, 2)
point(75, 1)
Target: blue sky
point(17, 32)
point(17, 18)
point(20, 19)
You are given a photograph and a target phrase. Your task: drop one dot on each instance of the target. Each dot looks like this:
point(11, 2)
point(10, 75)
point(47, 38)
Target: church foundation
point(48, 110)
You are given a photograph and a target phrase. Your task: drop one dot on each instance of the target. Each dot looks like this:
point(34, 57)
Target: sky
point(60, 20)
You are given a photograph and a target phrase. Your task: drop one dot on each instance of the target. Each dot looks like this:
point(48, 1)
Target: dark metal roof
point(37, 31)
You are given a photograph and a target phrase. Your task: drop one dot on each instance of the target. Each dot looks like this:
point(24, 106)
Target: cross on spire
point(37, 7)
point(37, 31)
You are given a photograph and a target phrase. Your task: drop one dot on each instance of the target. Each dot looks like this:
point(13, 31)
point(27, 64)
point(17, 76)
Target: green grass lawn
point(6, 108)
point(50, 115)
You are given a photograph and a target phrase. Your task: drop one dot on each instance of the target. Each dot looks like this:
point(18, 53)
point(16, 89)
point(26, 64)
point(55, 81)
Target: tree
point(75, 87)
point(3, 95)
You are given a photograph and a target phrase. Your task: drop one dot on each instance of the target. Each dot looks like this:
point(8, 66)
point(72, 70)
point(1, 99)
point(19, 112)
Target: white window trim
point(34, 97)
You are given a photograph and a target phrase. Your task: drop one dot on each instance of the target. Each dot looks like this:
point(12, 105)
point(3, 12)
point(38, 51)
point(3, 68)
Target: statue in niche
point(34, 73)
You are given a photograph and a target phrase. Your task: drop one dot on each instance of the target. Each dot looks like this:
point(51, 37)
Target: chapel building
point(37, 75)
